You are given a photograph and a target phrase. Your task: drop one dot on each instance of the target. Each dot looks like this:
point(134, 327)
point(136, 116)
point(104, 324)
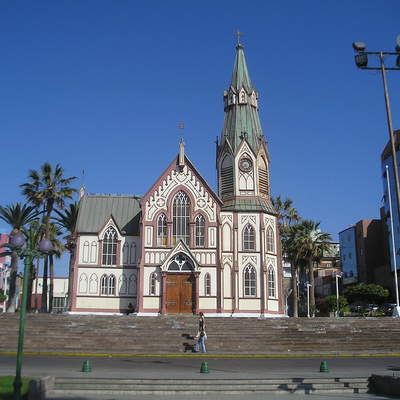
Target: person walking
point(201, 334)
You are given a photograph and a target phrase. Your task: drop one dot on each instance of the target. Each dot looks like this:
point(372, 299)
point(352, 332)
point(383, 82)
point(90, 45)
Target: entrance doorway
point(180, 293)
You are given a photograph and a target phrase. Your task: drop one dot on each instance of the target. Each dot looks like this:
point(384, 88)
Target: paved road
point(161, 367)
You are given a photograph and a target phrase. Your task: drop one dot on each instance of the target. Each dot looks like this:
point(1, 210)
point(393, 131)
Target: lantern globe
point(17, 240)
point(45, 245)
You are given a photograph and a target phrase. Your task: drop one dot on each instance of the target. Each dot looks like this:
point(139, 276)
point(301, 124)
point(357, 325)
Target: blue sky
point(101, 86)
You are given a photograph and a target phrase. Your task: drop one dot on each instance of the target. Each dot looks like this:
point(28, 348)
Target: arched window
point(125, 253)
point(111, 285)
point(249, 242)
point(93, 284)
point(110, 247)
point(270, 240)
point(250, 281)
point(83, 283)
point(207, 284)
point(104, 285)
point(86, 252)
point(153, 284)
point(133, 253)
point(162, 230)
point(181, 213)
point(122, 284)
point(93, 252)
point(132, 284)
point(263, 176)
point(271, 282)
point(226, 176)
point(200, 230)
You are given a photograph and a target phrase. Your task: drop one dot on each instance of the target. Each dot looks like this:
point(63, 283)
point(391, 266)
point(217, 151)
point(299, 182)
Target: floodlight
point(359, 46)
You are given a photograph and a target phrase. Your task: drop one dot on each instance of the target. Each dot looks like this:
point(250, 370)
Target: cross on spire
point(238, 34)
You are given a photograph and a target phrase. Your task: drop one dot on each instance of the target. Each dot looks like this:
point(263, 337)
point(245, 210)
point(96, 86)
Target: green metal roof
point(249, 204)
point(95, 211)
point(242, 120)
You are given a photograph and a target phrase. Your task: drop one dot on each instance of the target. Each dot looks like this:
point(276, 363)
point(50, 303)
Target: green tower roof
point(241, 108)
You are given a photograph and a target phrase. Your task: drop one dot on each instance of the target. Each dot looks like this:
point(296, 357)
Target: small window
point(104, 285)
point(250, 283)
point(270, 240)
point(207, 284)
point(271, 282)
point(162, 230)
point(111, 285)
point(153, 283)
point(248, 238)
point(200, 230)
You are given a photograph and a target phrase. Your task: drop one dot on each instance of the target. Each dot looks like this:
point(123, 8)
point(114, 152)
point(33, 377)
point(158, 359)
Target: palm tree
point(287, 214)
point(311, 244)
point(67, 219)
point(49, 189)
point(16, 215)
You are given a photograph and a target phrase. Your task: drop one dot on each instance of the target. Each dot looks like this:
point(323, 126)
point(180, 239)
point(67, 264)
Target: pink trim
point(118, 255)
point(164, 292)
point(75, 272)
point(197, 290)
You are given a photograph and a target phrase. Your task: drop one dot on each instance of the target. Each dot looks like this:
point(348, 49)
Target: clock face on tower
point(245, 165)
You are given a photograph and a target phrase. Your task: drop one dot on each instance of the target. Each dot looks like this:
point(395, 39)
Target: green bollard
point(87, 366)
point(204, 368)
point(324, 367)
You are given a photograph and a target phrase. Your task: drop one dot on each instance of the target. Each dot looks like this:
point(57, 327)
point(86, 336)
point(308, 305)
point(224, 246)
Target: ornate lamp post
point(17, 241)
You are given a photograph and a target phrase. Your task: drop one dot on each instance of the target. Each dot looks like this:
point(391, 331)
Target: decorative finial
point(181, 161)
point(238, 34)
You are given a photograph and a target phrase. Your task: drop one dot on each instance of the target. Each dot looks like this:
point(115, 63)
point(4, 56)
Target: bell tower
point(242, 154)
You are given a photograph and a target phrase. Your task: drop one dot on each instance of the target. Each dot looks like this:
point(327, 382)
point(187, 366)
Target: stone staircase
point(84, 387)
point(171, 334)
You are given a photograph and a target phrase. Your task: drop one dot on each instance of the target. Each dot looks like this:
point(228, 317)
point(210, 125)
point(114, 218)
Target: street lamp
point(361, 60)
point(337, 276)
point(308, 299)
point(18, 242)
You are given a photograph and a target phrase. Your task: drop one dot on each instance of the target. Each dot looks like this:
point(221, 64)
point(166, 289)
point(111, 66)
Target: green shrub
point(7, 389)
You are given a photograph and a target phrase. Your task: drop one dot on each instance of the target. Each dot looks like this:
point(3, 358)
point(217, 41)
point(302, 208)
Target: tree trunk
point(12, 292)
point(51, 291)
point(294, 291)
point(312, 288)
point(44, 285)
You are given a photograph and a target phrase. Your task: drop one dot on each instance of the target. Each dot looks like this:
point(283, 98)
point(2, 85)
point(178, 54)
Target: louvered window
point(263, 177)
point(227, 177)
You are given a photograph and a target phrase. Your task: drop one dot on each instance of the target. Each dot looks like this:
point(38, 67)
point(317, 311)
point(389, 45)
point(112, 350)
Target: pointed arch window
point(107, 285)
point(200, 231)
point(162, 230)
point(133, 253)
point(271, 281)
point(207, 284)
point(263, 177)
point(93, 281)
point(250, 281)
point(83, 283)
point(270, 240)
point(226, 176)
point(125, 253)
point(153, 284)
point(86, 252)
point(93, 252)
point(132, 284)
point(110, 247)
point(181, 218)
point(249, 242)
point(122, 284)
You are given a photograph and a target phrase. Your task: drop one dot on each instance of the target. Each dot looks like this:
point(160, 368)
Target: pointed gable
point(175, 177)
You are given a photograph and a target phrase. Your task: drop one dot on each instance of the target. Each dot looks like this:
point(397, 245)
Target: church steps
point(170, 334)
point(207, 386)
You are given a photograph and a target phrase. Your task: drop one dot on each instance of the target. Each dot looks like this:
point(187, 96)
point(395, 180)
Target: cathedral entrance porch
point(180, 293)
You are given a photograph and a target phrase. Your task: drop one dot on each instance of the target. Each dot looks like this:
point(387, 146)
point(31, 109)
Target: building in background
point(60, 294)
point(325, 272)
point(363, 254)
point(387, 160)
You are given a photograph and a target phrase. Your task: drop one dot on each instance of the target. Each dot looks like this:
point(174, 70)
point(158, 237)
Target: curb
point(201, 355)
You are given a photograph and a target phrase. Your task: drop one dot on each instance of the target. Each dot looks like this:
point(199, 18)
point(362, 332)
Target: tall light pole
point(361, 60)
point(393, 243)
point(17, 241)
point(337, 276)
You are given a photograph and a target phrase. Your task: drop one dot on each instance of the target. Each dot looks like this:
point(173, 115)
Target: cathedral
point(182, 248)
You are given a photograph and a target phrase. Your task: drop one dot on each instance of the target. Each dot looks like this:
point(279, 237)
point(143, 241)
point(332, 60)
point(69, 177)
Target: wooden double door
point(180, 296)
